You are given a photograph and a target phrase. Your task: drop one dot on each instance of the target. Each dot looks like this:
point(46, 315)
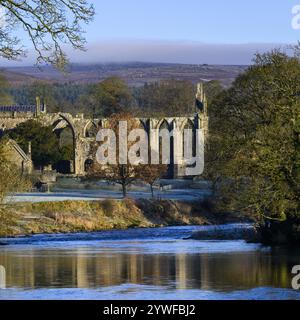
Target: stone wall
point(81, 129)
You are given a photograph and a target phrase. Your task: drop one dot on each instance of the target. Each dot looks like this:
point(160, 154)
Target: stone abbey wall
point(83, 129)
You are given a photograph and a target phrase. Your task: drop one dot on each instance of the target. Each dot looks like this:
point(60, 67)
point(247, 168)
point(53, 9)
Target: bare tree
point(126, 174)
point(122, 174)
point(49, 25)
point(151, 173)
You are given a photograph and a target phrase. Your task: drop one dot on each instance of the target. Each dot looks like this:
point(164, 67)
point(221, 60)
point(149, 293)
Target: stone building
point(84, 130)
point(16, 155)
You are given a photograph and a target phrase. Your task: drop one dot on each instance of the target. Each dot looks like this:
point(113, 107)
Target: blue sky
point(186, 31)
point(214, 21)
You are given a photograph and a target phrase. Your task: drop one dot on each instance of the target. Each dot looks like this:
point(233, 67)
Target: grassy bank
point(84, 216)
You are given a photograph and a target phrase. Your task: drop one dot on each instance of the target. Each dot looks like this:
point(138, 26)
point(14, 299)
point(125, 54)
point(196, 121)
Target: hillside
point(17, 78)
point(135, 74)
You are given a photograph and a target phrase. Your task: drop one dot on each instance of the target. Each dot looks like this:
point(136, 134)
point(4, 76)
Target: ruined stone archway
point(79, 126)
point(91, 130)
point(166, 145)
point(189, 142)
point(65, 131)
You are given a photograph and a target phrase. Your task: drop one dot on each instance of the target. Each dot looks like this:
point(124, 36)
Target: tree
point(123, 174)
point(48, 24)
point(126, 174)
point(166, 98)
point(112, 96)
point(5, 98)
point(44, 142)
point(255, 140)
point(87, 102)
point(212, 89)
point(151, 173)
point(59, 97)
point(46, 92)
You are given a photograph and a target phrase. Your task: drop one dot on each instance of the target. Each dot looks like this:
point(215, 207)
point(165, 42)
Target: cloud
point(163, 51)
point(172, 52)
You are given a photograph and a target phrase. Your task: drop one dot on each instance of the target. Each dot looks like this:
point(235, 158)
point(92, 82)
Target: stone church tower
point(202, 109)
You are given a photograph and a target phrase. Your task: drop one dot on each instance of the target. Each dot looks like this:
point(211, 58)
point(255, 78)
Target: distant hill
point(16, 78)
point(135, 73)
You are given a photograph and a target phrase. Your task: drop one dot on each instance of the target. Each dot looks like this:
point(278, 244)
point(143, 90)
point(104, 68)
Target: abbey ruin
point(84, 130)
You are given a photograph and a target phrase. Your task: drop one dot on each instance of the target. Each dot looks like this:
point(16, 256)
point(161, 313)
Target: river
point(144, 264)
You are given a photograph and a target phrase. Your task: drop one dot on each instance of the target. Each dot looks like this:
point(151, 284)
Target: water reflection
point(89, 267)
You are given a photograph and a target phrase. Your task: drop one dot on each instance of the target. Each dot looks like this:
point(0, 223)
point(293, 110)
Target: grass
point(85, 216)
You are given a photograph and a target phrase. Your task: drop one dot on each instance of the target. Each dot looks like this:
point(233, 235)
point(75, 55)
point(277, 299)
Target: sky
point(186, 31)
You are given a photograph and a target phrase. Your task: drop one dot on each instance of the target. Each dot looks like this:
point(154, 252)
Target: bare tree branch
point(49, 25)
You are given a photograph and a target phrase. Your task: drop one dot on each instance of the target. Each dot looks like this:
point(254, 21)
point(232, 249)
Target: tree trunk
point(152, 191)
point(124, 190)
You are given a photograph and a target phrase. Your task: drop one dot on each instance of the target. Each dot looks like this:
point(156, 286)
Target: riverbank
point(86, 216)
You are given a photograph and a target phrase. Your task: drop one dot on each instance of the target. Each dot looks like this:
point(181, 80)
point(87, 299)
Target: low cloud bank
point(162, 51)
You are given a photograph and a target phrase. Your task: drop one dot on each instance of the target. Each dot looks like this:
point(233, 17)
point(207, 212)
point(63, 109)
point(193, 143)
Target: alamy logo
point(2, 278)
point(296, 278)
point(134, 148)
point(296, 17)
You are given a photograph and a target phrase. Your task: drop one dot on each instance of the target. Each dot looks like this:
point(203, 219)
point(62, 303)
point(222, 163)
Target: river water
point(144, 264)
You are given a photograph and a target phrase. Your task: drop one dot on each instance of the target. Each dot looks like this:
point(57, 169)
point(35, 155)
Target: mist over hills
point(134, 73)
